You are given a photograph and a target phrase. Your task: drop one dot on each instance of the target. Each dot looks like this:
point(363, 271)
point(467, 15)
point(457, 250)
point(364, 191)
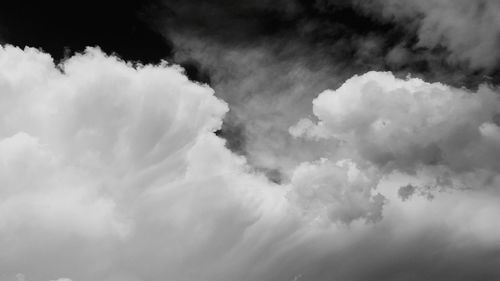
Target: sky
point(286, 140)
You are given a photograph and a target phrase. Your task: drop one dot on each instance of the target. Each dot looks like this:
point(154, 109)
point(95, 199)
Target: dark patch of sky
point(61, 27)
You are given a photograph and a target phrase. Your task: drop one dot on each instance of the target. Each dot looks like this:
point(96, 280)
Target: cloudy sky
point(252, 140)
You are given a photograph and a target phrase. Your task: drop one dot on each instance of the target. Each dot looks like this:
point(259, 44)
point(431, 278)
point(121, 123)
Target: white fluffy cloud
point(404, 124)
point(112, 172)
point(384, 125)
point(117, 165)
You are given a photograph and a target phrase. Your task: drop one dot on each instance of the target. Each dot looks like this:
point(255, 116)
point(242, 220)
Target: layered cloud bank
point(112, 171)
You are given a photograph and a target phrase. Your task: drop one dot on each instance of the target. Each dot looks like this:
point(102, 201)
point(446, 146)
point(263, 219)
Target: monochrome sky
point(294, 140)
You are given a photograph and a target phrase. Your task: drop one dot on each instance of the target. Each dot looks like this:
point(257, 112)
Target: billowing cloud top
point(408, 122)
point(410, 125)
point(112, 171)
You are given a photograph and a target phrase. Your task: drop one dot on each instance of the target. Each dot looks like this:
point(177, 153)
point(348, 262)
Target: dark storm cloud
point(300, 25)
point(346, 33)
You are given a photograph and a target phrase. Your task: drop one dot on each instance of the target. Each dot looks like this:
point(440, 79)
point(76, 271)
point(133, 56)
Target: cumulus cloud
point(99, 151)
point(338, 191)
point(112, 171)
point(406, 123)
point(382, 124)
point(468, 29)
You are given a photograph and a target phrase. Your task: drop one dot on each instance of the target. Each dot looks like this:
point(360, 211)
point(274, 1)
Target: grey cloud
point(267, 94)
point(405, 192)
point(468, 29)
